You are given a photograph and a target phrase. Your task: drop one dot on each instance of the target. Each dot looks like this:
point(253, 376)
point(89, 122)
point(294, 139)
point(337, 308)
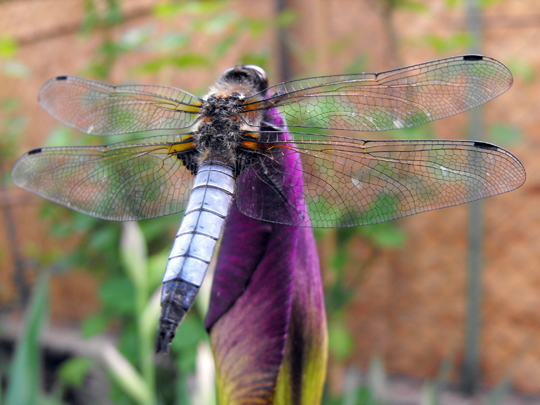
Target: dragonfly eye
point(252, 74)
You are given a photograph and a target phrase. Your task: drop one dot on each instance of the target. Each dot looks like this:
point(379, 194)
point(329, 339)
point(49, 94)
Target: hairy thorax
point(224, 123)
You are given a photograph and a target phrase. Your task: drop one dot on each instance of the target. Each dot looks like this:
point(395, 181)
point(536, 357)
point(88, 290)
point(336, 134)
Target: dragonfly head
point(247, 75)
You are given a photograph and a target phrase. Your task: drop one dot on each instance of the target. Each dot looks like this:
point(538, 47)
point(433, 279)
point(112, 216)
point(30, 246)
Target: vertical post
point(284, 62)
point(470, 374)
point(21, 283)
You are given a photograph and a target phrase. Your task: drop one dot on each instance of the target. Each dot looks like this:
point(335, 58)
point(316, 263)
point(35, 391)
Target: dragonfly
point(249, 144)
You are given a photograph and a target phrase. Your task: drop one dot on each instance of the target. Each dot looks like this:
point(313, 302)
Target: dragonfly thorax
point(221, 127)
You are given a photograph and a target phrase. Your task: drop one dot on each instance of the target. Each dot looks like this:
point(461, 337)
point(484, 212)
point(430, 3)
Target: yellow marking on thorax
point(180, 147)
point(189, 108)
point(252, 135)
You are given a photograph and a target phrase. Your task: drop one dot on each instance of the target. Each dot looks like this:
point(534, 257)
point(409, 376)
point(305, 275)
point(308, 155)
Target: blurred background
point(442, 307)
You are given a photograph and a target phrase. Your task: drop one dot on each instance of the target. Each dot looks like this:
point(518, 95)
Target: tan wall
point(410, 303)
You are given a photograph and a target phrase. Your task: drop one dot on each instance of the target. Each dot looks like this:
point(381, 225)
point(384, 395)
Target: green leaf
point(219, 23)
point(501, 392)
point(165, 10)
point(85, 223)
point(340, 341)
point(339, 259)
point(377, 379)
point(133, 253)
point(447, 44)
point(136, 37)
point(172, 9)
point(255, 27)
point(286, 18)
point(16, 69)
point(506, 135)
point(386, 235)
point(103, 238)
point(428, 393)
point(156, 264)
point(74, 371)
point(113, 14)
point(127, 376)
point(171, 41)
point(189, 334)
point(8, 47)
point(258, 58)
point(422, 132)
point(410, 5)
point(183, 61)
point(148, 319)
point(94, 325)
point(488, 3)
point(190, 60)
point(10, 104)
point(118, 296)
point(59, 136)
point(357, 65)
point(24, 378)
point(226, 43)
point(523, 69)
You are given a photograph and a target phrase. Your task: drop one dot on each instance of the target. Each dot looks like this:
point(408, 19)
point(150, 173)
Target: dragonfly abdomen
point(194, 246)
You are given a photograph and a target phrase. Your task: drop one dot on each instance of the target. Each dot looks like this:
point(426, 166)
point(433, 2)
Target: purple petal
point(249, 339)
point(303, 372)
point(266, 317)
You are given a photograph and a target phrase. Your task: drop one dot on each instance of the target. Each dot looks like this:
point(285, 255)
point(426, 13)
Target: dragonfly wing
point(395, 99)
point(101, 109)
point(350, 182)
point(120, 182)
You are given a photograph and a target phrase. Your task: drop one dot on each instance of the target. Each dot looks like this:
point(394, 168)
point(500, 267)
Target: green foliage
point(8, 47)
point(97, 17)
point(447, 44)
point(24, 380)
point(460, 3)
point(192, 333)
point(504, 135)
point(386, 235)
point(9, 66)
point(181, 62)
point(200, 9)
point(431, 390)
point(357, 65)
point(500, 392)
point(410, 5)
point(210, 18)
point(12, 125)
point(371, 390)
point(522, 69)
point(425, 131)
point(340, 340)
point(74, 371)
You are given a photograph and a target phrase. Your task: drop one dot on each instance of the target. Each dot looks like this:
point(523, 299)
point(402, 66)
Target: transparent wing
point(349, 182)
point(395, 99)
point(120, 182)
point(101, 109)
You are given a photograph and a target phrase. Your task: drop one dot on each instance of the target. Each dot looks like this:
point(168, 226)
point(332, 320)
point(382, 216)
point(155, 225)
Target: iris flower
point(266, 319)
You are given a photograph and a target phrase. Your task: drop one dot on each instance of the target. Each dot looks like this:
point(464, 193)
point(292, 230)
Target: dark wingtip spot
point(35, 151)
point(473, 57)
point(484, 145)
point(61, 77)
